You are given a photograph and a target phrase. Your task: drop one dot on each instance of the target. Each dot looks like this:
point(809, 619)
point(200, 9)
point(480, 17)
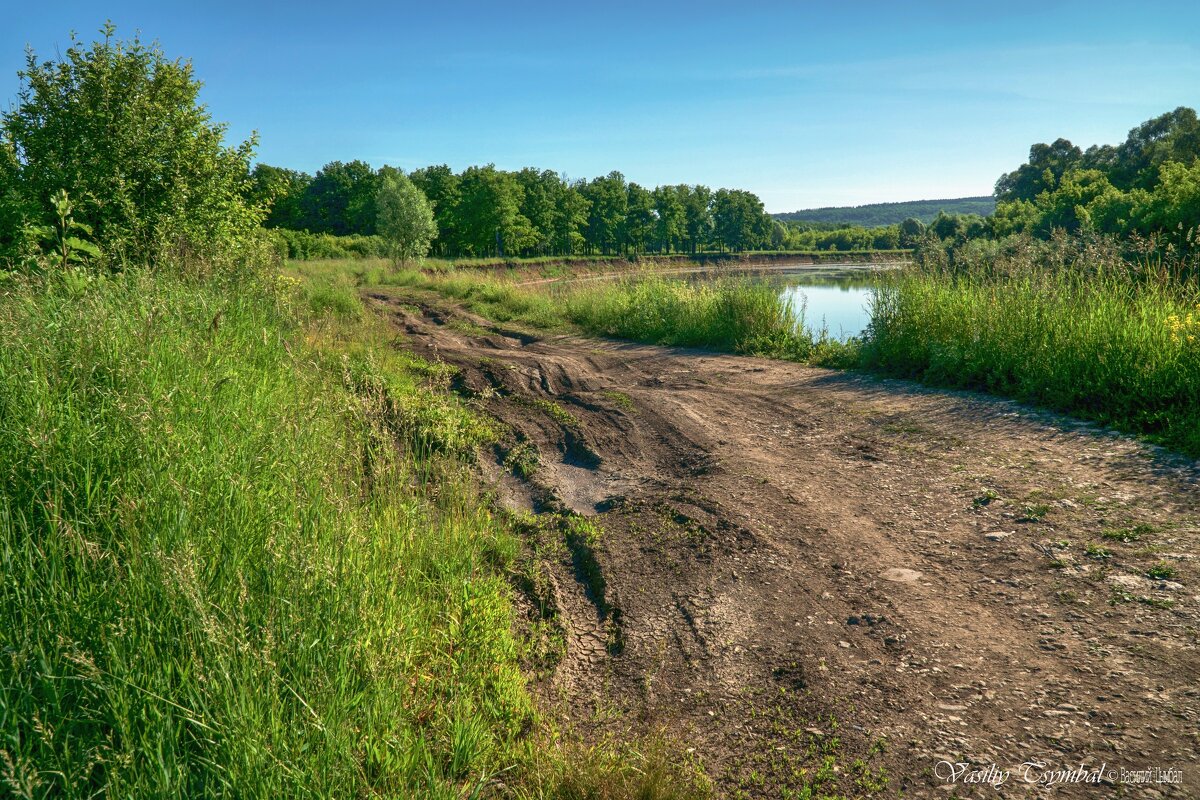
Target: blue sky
point(807, 104)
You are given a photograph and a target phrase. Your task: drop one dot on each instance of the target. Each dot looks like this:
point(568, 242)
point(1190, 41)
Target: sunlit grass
point(241, 556)
point(1103, 347)
point(730, 314)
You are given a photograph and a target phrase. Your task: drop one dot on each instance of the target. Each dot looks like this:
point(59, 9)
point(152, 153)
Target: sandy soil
point(821, 579)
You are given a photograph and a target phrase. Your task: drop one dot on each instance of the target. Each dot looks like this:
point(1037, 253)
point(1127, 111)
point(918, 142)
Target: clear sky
point(806, 104)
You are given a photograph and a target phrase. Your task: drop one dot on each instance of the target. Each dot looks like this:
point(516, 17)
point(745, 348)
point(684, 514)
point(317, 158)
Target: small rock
point(900, 575)
point(1130, 582)
point(997, 536)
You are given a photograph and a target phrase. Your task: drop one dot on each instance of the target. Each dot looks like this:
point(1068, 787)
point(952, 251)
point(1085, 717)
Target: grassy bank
point(729, 314)
point(240, 555)
point(1090, 339)
point(1101, 346)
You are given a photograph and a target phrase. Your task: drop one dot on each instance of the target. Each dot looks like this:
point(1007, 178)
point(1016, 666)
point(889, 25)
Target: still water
point(838, 302)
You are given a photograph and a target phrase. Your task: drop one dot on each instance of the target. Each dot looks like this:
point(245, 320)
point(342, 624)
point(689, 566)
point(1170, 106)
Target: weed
point(522, 460)
point(985, 498)
point(1128, 534)
point(1161, 572)
point(1034, 512)
point(619, 399)
point(1097, 551)
point(1089, 340)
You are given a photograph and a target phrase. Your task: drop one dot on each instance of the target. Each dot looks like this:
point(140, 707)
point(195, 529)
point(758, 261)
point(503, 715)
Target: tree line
point(484, 211)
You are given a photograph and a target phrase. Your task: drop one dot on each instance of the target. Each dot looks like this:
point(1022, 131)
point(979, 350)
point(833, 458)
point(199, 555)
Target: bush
point(117, 126)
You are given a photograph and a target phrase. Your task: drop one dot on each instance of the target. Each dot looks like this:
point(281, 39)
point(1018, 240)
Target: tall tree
point(1174, 136)
point(404, 217)
point(697, 213)
point(539, 205)
point(341, 199)
point(571, 220)
point(739, 221)
point(670, 226)
point(639, 218)
point(282, 191)
point(606, 217)
point(1045, 168)
point(489, 215)
point(441, 187)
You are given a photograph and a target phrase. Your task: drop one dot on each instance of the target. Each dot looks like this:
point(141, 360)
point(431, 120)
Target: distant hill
point(876, 214)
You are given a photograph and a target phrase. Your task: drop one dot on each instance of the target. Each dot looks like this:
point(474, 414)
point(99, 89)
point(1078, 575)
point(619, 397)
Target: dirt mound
point(820, 579)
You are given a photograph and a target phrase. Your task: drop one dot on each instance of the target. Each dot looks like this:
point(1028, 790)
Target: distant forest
point(875, 215)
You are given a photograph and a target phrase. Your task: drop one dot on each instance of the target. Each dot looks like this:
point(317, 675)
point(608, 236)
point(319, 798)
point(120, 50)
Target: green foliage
point(486, 212)
point(803, 236)
point(739, 221)
point(303, 245)
point(876, 215)
point(1091, 336)
point(117, 125)
point(340, 199)
point(1147, 186)
point(282, 191)
point(65, 234)
point(404, 218)
point(488, 216)
point(221, 576)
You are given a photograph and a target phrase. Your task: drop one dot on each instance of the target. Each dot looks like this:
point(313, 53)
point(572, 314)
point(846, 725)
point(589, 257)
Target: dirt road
point(819, 579)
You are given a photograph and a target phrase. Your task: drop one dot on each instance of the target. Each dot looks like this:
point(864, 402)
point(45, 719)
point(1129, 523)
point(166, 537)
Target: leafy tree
point(639, 218)
point(282, 191)
point(911, 231)
point(1170, 137)
point(404, 217)
point(341, 199)
point(489, 218)
point(1016, 216)
point(538, 204)
point(698, 221)
point(117, 125)
point(739, 221)
point(670, 226)
point(572, 219)
point(1174, 205)
point(1045, 168)
point(609, 199)
point(441, 187)
point(886, 238)
point(1067, 207)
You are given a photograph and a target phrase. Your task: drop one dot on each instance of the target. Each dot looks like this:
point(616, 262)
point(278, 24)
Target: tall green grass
point(733, 315)
point(238, 556)
point(1103, 346)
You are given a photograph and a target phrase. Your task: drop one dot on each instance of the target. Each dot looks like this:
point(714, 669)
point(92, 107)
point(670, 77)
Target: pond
point(837, 302)
point(834, 300)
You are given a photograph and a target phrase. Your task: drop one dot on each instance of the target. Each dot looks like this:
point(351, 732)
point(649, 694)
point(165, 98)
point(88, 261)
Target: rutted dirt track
point(800, 567)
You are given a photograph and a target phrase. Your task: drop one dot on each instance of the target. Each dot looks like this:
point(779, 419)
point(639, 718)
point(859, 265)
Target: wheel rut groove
point(779, 563)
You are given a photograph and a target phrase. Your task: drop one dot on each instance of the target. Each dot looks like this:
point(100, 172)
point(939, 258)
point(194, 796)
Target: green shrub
point(117, 126)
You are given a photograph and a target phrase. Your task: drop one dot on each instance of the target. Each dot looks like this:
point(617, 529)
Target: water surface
point(838, 303)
